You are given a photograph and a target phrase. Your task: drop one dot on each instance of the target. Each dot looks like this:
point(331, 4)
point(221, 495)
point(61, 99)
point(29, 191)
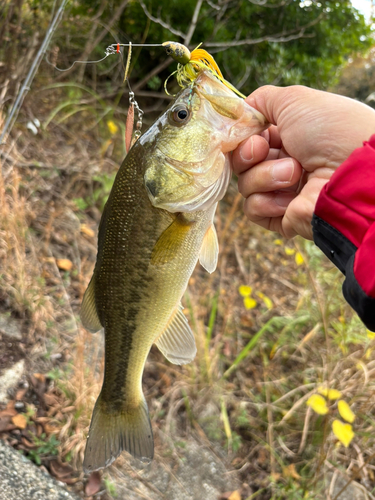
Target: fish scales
point(157, 223)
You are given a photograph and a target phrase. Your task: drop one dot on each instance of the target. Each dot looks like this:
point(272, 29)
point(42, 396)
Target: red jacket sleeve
point(344, 228)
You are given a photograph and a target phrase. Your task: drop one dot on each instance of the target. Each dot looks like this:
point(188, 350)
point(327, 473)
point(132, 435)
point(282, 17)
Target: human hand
point(281, 172)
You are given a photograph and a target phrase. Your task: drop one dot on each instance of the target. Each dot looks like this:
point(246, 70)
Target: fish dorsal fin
point(210, 250)
point(177, 341)
point(89, 315)
point(170, 241)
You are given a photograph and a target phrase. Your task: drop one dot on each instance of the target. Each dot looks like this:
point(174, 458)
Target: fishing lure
point(191, 63)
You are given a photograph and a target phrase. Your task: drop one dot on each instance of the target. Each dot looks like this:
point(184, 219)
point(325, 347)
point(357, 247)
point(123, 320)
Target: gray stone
point(334, 483)
point(10, 378)
point(10, 327)
point(20, 479)
point(197, 474)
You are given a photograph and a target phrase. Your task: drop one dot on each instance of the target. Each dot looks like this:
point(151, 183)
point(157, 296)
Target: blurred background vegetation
point(271, 324)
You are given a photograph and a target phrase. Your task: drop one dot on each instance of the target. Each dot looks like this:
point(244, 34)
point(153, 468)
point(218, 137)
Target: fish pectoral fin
point(170, 241)
point(177, 341)
point(89, 315)
point(210, 250)
point(111, 432)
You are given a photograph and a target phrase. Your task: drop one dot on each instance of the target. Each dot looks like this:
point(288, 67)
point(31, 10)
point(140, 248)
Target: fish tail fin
point(112, 432)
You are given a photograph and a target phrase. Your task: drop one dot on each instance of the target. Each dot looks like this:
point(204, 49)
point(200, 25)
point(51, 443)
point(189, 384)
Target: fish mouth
point(151, 188)
point(188, 192)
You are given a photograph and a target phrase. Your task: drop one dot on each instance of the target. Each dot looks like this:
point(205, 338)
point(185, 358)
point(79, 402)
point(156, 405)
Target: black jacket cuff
point(357, 298)
point(341, 252)
point(332, 243)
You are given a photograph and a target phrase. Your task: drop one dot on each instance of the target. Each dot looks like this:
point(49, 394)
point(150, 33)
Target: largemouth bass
point(157, 223)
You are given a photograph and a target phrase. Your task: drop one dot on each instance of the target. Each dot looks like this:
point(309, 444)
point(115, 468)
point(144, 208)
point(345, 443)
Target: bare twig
point(161, 22)
point(279, 37)
point(263, 3)
point(34, 67)
point(94, 43)
point(193, 23)
point(305, 430)
point(253, 41)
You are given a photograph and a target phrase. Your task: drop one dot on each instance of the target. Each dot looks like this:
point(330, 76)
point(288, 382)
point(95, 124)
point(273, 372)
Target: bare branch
point(279, 37)
point(212, 5)
point(94, 43)
point(161, 22)
point(193, 23)
point(263, 3)
point(33, 69)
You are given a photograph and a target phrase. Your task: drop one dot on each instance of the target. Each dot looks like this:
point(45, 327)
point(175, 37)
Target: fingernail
point(247, 150)
point(282, 171)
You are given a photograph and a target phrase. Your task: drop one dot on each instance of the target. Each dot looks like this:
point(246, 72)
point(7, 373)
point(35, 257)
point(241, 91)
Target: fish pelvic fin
point(89, 315)
point(170, 241)
point(210, 250)
point(112, 432)
point(177, 341)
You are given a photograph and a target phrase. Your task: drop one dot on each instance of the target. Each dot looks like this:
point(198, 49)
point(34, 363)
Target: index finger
point(272, 136)
point(249, 153)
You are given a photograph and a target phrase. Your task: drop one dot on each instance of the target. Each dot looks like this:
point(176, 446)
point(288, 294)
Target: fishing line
point(114, 48)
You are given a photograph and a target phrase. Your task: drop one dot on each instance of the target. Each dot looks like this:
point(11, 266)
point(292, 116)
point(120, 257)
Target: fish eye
point(179, 115)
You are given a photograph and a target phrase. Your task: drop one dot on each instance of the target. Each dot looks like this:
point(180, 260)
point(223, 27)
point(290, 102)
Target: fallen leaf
point(20, 421)
point(290, 471)
point(87, 231)
point(93, 483)
point(276, 476)
point(64, 264)
point(236, 495)
point(40, 377)
point(5, 420)
point(50, 399)
point(26, 442)
point(20, 394)
point(61, 471)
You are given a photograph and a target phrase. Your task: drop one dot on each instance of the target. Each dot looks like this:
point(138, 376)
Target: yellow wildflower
point(299, 259)
point(345, 411)
point(112, 127)
point(318, 404)
point(331, 394)
point(343, 432)
point(249, 302)
point(289, 251)
point(245, 290)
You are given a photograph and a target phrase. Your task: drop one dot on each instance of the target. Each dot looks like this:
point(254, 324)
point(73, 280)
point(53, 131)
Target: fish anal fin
point(170, 241)
point(89, 315)
point(210, 250)
point(113, 432)
point(177, 341)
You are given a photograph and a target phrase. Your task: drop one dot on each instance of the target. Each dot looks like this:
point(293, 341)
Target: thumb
point(272, 101)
